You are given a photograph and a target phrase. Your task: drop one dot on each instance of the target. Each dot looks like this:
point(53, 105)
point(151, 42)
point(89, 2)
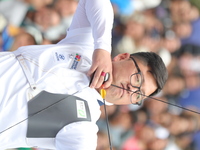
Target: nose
point(131, 88)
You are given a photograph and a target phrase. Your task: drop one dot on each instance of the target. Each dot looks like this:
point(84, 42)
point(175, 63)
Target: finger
point(100, 80)
point(95, 78)
point(91, 73)
point(92, 70)
point(104, 80)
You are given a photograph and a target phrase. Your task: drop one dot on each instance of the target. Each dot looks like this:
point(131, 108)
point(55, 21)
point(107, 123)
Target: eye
point(138, 96)
point(137, 79)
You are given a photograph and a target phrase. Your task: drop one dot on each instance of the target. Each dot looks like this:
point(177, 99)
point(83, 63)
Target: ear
point(122, 56)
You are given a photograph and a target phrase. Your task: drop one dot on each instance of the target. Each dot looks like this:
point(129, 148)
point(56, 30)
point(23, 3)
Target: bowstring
point(38, 112)
point(153, 98)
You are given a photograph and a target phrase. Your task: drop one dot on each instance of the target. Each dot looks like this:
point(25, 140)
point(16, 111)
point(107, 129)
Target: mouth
point(122, 89)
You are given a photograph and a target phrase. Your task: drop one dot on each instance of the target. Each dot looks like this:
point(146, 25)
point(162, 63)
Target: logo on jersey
point(81, 112)
point(62, 57)
point(59, 56)
point(77, 59)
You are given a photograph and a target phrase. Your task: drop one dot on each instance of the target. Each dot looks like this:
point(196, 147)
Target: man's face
point(123, 68)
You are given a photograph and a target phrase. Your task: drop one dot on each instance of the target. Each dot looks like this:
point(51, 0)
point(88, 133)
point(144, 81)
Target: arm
point(97, 14)
point(101, 23)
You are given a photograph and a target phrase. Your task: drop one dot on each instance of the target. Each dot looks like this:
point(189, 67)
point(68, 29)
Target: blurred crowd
point(171, 28)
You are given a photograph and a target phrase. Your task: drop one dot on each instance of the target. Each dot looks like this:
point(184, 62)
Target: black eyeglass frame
point(138, 91)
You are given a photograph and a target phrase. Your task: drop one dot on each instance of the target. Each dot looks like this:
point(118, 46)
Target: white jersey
point(53, 69)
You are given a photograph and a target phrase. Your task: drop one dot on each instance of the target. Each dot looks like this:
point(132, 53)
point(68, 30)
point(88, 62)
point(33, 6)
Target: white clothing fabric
point(50, 68)
point(50, 75)
point(93, 21)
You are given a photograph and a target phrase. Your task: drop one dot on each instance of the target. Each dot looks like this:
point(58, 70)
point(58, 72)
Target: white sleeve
point(77, 136)
point(97, 14)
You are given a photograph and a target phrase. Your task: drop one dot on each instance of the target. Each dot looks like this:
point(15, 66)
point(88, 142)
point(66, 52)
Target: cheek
point(124, 76)
point(125, 101)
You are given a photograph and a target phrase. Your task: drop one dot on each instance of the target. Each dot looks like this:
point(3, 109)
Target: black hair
point(157, 66)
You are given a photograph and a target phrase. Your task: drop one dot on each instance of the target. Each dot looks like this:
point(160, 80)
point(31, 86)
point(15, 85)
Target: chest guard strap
point(48, 113)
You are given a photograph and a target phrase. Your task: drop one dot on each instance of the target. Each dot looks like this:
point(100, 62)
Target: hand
point(101, 62)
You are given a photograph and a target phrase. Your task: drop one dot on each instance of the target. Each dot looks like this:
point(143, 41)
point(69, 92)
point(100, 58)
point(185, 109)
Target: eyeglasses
point(136, 81)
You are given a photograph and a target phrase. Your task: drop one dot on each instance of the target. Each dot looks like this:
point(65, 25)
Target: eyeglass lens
point(136, 82)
